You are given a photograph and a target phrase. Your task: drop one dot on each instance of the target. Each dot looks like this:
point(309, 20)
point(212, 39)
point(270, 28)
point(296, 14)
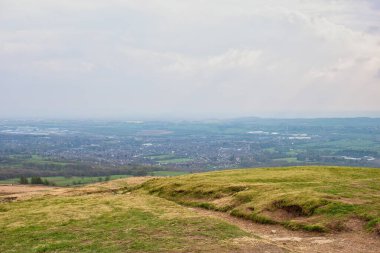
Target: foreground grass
point(143, 215)
point(309, 198)
point(109, 222)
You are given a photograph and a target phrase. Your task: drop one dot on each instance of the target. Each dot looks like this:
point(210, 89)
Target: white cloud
point(236, 57)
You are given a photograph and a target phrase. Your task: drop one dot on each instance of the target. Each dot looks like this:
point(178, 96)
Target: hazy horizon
point(192, 118)
point(222, 59)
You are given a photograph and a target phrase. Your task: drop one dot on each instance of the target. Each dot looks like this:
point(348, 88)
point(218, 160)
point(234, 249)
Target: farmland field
point(69, 181)
point(72, 181)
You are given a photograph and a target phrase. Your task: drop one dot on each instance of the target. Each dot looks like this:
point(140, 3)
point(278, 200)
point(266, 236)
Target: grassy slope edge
point(130, 215)
point(105, 218)
point(309, 198)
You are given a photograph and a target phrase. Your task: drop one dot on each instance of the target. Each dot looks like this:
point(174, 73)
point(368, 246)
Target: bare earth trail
point(285, 240)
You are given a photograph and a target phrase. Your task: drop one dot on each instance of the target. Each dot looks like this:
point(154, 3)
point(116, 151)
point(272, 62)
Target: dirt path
point(284, 240)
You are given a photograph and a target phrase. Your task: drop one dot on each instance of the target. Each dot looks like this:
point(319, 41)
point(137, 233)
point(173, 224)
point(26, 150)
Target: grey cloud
point(233, 58)
point(378, 74)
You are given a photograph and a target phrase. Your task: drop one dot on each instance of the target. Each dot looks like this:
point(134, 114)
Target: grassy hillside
point(144, 215)
point(97, 219)
point(310, 198)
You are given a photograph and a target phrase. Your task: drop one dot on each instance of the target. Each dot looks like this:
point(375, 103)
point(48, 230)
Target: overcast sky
point(189, 58)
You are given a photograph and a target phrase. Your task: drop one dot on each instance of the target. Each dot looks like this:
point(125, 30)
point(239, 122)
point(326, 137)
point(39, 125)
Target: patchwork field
point(300, 209)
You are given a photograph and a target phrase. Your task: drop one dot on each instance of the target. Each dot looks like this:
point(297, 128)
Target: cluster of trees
point(35, 180)
point(133, 170)
point(79, 169)
point(107, 178)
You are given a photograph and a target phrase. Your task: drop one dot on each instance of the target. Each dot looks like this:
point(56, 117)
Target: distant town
point(190, 146)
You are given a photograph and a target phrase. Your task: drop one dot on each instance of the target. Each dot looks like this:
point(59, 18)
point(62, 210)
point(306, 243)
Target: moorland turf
point(310, 198)
point(150, 214)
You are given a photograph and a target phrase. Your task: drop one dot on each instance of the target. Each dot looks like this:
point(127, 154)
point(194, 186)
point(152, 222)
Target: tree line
point(35, 180)
point(67, 170)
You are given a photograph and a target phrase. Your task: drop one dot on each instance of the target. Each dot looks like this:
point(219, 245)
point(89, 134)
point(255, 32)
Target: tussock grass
point(108, 222)
point(311, 198)
point(144, 215)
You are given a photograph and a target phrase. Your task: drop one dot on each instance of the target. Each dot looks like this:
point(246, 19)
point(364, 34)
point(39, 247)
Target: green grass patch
point(319, 194)
point(160, 157)
point(307, 227)
point(110, 223)
point(168, 173)
point(287, 159)
point(69, 181)
point(175, 160)
point(19, 161)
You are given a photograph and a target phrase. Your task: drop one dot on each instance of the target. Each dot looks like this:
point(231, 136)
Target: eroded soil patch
point(299, 241)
